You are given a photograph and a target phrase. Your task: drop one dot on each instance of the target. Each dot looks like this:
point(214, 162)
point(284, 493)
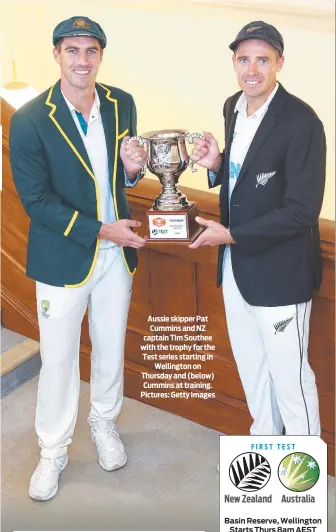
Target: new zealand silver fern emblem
point(262, 179)
point(250, 472)
point(280, 326)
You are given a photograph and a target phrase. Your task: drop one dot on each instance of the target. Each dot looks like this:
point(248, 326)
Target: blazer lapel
point(228, 141)
point(109, 114)
point(230, 119)
point(61, 117)
point(269, 121)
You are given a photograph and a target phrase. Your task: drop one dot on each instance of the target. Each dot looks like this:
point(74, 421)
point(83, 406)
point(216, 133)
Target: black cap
point(260, 30)
point(75, 26)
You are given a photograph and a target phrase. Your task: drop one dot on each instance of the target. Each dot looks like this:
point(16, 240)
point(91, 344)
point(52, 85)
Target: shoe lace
point(104, 438)
point(111, 432)
point(50, 466)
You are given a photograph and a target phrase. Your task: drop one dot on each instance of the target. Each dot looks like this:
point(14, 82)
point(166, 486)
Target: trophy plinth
point(173, 227)
point(171, 220)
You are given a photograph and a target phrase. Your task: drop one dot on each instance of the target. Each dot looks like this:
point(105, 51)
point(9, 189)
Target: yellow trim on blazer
point(90, 271)
point(51, 116)
point(123, 134)
point(108, 96)
point(72, 221)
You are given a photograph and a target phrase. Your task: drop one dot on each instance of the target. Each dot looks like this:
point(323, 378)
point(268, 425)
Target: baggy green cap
point(75, 26)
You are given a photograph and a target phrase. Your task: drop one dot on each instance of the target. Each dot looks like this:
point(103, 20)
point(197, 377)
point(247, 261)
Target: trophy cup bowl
point(171, 218)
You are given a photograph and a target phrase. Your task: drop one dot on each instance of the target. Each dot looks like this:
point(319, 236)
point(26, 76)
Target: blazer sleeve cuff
point(131, 183)
point(216, 178)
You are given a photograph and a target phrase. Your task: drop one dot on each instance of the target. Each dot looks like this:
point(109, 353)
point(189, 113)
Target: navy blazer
point(275, 204)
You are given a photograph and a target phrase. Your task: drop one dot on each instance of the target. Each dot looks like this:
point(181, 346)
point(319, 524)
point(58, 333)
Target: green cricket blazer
point(58, 189)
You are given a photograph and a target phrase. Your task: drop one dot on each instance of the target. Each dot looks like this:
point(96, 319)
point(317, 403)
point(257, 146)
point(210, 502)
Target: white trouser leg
point(58, 389)
point(250, 356)
point(108, 311)
point(285, 332)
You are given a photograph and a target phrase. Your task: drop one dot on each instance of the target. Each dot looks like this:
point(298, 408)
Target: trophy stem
point(170, 198)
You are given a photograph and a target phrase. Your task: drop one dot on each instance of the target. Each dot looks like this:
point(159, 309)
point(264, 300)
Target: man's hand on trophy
point(133, 156)
point(213, 235)
point(206, 152)
point(121, 233)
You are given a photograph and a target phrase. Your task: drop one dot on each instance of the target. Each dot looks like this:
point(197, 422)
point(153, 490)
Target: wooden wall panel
point(172, 280)
point(227, 411)
point(172, 286)
point(141, 295)
point(210, 303)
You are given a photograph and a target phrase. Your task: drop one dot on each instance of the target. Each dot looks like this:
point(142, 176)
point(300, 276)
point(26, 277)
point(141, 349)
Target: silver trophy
point(172, 217)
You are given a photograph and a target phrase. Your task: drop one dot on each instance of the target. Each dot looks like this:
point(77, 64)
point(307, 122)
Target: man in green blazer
point(71, 163)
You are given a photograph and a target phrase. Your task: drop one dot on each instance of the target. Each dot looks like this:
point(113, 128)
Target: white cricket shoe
point(111, 450)
point(44, 482)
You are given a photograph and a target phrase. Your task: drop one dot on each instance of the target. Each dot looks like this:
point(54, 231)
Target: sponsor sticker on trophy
point(273, 484)
point(168, 226)
point(171, 219)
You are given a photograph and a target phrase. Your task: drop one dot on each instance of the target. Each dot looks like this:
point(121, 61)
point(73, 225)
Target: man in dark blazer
point(272, 175)
point(70, 163)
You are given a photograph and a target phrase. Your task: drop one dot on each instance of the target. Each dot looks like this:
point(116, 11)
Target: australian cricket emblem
point(45, 305)
point(81, 23)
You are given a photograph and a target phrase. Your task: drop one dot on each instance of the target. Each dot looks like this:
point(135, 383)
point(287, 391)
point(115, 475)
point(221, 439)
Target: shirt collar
point(95, 106)
point(241, 105)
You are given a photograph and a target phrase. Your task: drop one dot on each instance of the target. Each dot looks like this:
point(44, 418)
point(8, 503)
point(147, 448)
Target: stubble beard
point(75, 81)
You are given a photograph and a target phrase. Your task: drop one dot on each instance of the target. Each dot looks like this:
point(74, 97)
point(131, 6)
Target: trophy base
point(173, 227)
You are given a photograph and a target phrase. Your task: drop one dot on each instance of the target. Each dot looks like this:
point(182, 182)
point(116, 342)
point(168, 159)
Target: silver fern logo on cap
point(262, 179)
point(250, 472)
point(253, 28)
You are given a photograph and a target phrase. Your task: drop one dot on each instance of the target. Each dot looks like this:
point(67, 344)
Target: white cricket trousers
point(60, 315)
point(270, 347)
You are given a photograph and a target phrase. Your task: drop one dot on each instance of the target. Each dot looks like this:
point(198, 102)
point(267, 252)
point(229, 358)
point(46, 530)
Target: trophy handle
point(190, 138)
point(142, 142)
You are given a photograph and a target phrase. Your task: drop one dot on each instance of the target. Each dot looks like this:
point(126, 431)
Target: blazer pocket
point(42, 230)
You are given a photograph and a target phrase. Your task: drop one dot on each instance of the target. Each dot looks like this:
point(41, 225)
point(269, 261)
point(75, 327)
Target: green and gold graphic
point(45, 307)
point(298, 472)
